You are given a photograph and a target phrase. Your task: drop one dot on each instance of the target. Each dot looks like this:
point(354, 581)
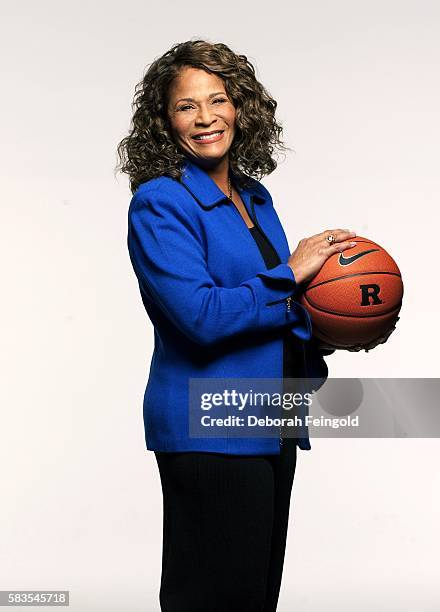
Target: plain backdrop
point(358, 96)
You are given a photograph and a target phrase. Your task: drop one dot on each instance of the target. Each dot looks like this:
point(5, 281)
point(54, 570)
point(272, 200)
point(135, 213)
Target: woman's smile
point(208, 138)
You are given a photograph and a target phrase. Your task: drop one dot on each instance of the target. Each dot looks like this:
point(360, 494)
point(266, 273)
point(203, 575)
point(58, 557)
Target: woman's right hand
point(311, 253)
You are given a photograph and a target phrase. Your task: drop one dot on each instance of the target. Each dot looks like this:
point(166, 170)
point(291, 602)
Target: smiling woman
point(211, 106)
point(165, 101)
point(220, 286)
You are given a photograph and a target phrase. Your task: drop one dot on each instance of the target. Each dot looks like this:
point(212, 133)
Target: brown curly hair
point(149, 150)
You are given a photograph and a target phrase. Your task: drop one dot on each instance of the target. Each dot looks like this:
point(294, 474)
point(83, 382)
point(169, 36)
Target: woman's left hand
point(360, 347)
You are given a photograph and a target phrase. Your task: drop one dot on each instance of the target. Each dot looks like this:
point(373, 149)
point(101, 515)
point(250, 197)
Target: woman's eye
point(182, 108)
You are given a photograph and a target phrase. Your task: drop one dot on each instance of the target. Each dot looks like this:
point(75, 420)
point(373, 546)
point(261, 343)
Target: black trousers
point(225, 520)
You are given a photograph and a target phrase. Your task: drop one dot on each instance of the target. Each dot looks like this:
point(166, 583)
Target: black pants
point(224, 529)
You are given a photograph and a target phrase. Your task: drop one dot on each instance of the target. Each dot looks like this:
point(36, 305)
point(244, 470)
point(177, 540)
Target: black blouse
point(271, 259)
point(293, 352)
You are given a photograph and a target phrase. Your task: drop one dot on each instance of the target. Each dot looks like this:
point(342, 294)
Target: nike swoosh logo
point(346, 261)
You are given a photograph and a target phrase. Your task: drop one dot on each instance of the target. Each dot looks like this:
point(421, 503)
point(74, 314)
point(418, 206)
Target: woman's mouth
point(208, 138)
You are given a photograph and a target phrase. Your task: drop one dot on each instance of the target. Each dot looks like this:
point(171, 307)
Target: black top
point(294, 359)
point(271, 259)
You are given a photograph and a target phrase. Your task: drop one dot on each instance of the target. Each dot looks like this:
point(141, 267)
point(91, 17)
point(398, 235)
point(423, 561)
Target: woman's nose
point(204, 115)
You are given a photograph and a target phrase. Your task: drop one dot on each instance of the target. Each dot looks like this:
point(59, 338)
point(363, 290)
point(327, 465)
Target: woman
point(218, 282)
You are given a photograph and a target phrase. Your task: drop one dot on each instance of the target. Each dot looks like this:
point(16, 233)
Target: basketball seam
point(331, 280)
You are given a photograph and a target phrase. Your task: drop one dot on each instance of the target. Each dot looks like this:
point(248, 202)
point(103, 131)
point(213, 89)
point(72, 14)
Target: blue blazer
point(209, 296)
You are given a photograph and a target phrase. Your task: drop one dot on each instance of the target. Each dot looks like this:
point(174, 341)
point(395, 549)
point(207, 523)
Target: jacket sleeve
point(168, 258)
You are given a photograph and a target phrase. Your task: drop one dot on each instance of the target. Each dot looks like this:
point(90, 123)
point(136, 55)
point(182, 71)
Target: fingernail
point(353, 243)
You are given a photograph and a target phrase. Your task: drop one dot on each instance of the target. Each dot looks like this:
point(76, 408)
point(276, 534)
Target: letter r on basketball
point(370, 294)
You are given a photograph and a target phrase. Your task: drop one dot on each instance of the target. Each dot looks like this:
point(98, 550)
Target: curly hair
point(149, 150)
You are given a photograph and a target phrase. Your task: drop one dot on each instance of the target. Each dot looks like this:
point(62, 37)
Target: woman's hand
point(365, 347)
point(311, 253)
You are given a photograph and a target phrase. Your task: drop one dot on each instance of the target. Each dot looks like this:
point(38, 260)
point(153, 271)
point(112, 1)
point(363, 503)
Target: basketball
point(355, 297)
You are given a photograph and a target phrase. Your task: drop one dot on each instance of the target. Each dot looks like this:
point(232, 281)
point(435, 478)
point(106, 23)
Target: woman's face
point(198, 103)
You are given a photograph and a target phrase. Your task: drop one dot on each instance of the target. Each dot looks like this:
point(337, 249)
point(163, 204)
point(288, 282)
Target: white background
point(359, 97)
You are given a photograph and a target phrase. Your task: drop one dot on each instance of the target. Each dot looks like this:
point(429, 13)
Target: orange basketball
point(356, 296)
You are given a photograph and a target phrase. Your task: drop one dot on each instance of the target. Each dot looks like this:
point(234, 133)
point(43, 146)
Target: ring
point(331, 238)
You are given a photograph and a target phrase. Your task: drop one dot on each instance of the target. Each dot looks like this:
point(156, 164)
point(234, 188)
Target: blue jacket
point(207, 291)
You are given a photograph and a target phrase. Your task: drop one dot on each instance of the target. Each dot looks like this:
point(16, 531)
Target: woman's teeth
point(207, 136)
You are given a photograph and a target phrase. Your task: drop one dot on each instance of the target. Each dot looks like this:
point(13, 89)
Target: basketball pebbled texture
point(356, 296)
